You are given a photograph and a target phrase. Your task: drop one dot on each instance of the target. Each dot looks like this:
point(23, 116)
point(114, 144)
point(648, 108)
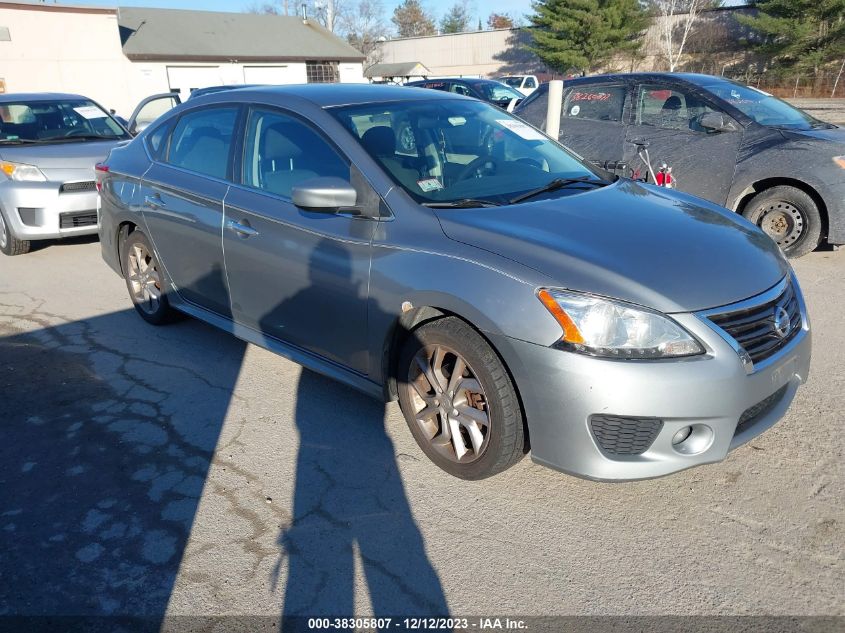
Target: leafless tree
point(329, 13)
point(675, 20)
point(364, 27)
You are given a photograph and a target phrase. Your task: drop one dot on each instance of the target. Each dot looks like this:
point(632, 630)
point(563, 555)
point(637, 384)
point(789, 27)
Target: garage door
point(272, 75)
point(186, 78)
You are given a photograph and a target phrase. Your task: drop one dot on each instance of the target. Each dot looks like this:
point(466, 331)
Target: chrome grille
point(763, 329)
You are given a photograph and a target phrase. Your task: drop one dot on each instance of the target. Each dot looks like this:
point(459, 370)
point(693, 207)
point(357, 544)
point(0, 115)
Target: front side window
point(670, 109)
point(597, 103)
point(762, 107)
point(497, 92)
point(56, 121)
point(281, 152)
point(322, 72)
point(202, 139)
point(530, 83)
point(460, 89)
point(460, 149)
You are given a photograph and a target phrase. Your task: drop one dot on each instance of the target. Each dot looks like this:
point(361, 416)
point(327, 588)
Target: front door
point(295, 275)
point(666, 121)
point(182, 195)
point(593, 123)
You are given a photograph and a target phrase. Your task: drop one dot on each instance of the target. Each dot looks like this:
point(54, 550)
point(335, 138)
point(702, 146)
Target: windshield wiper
point(554, 185)
point(465, 203)
point(80, 137)
point(25, 141)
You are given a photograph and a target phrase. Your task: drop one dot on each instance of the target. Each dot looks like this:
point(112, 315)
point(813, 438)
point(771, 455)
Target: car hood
point(835, 134)
point(635, 242)
point(82, 155)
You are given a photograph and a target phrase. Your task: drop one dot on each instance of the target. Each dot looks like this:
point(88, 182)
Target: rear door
point(183, 204)
point(593, 121)
point(665, 118)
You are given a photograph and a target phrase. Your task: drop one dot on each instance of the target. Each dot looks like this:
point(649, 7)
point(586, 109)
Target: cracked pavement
point(178, 470)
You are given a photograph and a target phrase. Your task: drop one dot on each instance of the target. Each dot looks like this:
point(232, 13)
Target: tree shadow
point(104, 451)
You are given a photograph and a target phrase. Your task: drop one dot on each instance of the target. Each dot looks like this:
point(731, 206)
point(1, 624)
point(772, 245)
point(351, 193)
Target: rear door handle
point(244, 230)
point(154, 201)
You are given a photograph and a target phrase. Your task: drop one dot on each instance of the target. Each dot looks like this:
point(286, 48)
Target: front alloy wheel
point(459, 401)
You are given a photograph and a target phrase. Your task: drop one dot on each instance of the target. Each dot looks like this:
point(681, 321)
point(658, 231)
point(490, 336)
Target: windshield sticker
point(575, 110)
point(429, 184)
point(91, 112)
point(457, 120)
point(521, 129)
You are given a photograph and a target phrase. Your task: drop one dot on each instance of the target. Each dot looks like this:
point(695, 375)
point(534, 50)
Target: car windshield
point(762, 107)
point(54, 121)
point(443, 151)
point(513, 82)
point(495, 91)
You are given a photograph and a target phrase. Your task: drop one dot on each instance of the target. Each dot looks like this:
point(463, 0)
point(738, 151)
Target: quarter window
point(322, 72)
point(201, 141)
point(664, 107)
point(597, 103)
point(281, 152)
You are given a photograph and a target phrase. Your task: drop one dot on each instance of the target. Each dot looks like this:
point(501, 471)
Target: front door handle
point(244, 230)
point(154, 201)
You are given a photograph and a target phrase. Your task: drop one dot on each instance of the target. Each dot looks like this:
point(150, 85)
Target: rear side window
point(597, 103)
point(281, 152)
point(201, 141)
point(157, 140)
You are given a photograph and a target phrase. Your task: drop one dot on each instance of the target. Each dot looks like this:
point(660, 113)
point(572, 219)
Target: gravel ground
point(830, 110)
point(159, 470)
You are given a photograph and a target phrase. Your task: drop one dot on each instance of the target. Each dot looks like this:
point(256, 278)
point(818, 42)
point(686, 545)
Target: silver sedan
point(512, 297)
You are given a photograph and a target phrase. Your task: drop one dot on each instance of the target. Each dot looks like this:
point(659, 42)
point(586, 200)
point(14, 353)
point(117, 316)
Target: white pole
point(553, 109)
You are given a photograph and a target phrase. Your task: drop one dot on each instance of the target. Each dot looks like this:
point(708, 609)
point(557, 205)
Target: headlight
point(614, 329)
point(19, 171)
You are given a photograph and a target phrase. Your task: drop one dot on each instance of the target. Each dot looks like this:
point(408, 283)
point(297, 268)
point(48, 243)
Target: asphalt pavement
point(176, 470)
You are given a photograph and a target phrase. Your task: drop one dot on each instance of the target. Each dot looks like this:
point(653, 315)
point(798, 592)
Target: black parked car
point(732, 144)
point(494, 92)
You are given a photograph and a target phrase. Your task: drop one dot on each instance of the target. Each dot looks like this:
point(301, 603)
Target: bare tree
point(329, 13)
point(364, 28)
point(676, 19)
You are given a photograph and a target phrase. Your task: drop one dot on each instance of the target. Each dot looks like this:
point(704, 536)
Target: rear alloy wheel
point(9, 244)
point(789, 216)
point(459, 401)
point(144, 280)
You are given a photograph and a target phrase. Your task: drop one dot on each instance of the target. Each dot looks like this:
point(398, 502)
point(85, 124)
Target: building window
point(322, 72)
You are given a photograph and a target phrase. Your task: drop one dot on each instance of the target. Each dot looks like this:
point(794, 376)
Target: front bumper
point(562, 391)
point(49, 210)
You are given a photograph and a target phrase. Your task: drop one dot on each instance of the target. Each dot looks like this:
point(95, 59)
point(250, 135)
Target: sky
point(438, 7)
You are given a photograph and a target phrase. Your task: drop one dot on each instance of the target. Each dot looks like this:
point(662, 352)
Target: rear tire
point(9, 244)
point(789, 216)
point(145, 279)
point(470, 424)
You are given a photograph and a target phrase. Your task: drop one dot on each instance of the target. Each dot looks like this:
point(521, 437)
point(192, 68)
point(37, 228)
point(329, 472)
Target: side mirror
point(324, 194)
point(716, 122)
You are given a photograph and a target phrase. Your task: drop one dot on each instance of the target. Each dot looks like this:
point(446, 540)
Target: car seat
point(380, 143)
point(281, 160)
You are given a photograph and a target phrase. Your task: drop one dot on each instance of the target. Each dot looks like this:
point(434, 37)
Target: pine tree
point(582, 35)
point(412, 20)
point(456, 19)
point(799, 34)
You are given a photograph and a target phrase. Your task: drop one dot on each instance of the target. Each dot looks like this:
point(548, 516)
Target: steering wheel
point(479, 167)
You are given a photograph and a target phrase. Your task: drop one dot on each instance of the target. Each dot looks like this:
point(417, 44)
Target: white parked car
point(526, 84)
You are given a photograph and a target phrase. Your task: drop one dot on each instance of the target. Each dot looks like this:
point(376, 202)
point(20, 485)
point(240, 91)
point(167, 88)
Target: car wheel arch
point(742, 199)
point(405, 325)
point(124, 229)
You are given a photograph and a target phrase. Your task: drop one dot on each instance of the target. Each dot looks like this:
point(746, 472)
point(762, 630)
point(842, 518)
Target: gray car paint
point(483, 265)
point(725, 168)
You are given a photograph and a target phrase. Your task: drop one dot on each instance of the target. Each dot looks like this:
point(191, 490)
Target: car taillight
point(100, 168)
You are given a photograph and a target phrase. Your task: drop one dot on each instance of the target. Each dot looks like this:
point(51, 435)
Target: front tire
point(459, 401)
point(9, 244)
point(145, 279)
point(789, 216)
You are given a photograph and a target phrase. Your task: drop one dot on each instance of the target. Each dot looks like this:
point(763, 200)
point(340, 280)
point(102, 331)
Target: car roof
point(694, 78)
point(331, 95)
point(14, 97)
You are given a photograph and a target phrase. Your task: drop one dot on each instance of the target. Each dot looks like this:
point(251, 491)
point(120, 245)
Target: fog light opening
point(693, 439)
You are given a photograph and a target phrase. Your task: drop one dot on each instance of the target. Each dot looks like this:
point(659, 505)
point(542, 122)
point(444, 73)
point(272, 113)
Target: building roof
point(176, 34)
point(399, 69)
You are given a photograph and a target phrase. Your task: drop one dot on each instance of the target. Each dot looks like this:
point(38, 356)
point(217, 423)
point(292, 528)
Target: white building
point(119, 56)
